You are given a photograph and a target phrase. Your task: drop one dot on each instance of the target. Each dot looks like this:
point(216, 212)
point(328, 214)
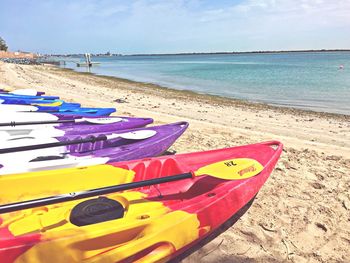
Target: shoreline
point(182, 104)
point(302, 211)
point(215, 98)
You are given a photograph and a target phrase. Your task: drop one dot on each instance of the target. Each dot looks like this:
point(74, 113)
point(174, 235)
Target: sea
point(317, 81)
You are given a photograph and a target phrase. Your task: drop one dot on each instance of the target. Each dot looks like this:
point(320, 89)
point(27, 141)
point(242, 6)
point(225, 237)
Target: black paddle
point(14, 123)
point(234, 169)
point(89, 120)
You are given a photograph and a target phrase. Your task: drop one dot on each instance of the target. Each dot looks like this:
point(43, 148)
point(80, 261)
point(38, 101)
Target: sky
point(173, 26)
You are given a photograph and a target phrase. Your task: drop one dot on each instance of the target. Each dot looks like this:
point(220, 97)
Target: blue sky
point(171, 26)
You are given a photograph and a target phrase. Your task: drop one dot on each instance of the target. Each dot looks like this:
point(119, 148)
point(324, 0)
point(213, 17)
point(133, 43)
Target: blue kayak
point(34, 102)
point(8, 95)
point(64, 109)
point(84, 112)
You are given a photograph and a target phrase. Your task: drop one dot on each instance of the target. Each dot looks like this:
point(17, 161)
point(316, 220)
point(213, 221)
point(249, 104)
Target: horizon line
point(208, 53)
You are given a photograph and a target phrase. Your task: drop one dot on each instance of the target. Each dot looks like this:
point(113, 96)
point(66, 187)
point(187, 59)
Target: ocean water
point(306, 80)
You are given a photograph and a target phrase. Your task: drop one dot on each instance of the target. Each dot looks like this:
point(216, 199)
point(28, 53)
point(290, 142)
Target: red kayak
point(148, 210)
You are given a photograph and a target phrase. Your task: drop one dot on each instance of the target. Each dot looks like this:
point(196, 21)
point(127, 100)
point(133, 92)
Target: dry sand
point(302, 214)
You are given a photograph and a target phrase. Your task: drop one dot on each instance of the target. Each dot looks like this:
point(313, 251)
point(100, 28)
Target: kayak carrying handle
point(279, 145)
point(277, 152)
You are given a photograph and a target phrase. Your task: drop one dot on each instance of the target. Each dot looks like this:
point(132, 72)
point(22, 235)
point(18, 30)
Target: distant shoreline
point(210, 53)
point(244, 52)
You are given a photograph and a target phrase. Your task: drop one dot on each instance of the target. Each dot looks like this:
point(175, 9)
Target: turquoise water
point(310, 81)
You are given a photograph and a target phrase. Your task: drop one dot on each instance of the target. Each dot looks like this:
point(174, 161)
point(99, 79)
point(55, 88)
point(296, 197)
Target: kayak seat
point(185, 189)
point(189, 189)
point(152, 168)
point(149, 168)
point(87, 146)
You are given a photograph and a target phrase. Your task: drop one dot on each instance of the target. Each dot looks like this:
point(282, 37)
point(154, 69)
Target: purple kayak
point(121, 123)
point(128, 149)
point(96, 148)
point(77, 126)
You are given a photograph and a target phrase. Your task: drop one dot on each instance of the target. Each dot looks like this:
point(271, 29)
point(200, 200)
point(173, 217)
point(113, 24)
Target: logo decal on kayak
point(230, 164)
point(247, 170)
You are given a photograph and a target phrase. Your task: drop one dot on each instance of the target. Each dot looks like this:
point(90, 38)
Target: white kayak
point(8, 117)
point(15, 117)
point(56, 158)
point(43, 131)
point(17, 108)
point(27, 92)
point(58, 162)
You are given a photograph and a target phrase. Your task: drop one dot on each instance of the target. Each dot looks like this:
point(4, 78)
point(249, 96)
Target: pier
point(88, 62)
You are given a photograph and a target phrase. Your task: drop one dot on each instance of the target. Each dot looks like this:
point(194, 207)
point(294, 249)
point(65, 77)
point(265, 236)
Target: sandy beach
point(302, 214)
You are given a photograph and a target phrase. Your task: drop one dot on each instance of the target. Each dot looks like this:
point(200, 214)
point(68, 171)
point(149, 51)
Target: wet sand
point(302, 213)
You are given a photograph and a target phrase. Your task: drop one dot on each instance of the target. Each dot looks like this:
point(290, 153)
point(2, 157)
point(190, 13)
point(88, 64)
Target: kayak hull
point(158, 223)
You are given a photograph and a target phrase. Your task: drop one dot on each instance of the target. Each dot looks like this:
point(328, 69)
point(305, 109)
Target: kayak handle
point(277, 152)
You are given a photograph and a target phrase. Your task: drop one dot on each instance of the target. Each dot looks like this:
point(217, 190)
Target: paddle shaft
point(52, 144)
point(89, 193)
point(13, 123)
